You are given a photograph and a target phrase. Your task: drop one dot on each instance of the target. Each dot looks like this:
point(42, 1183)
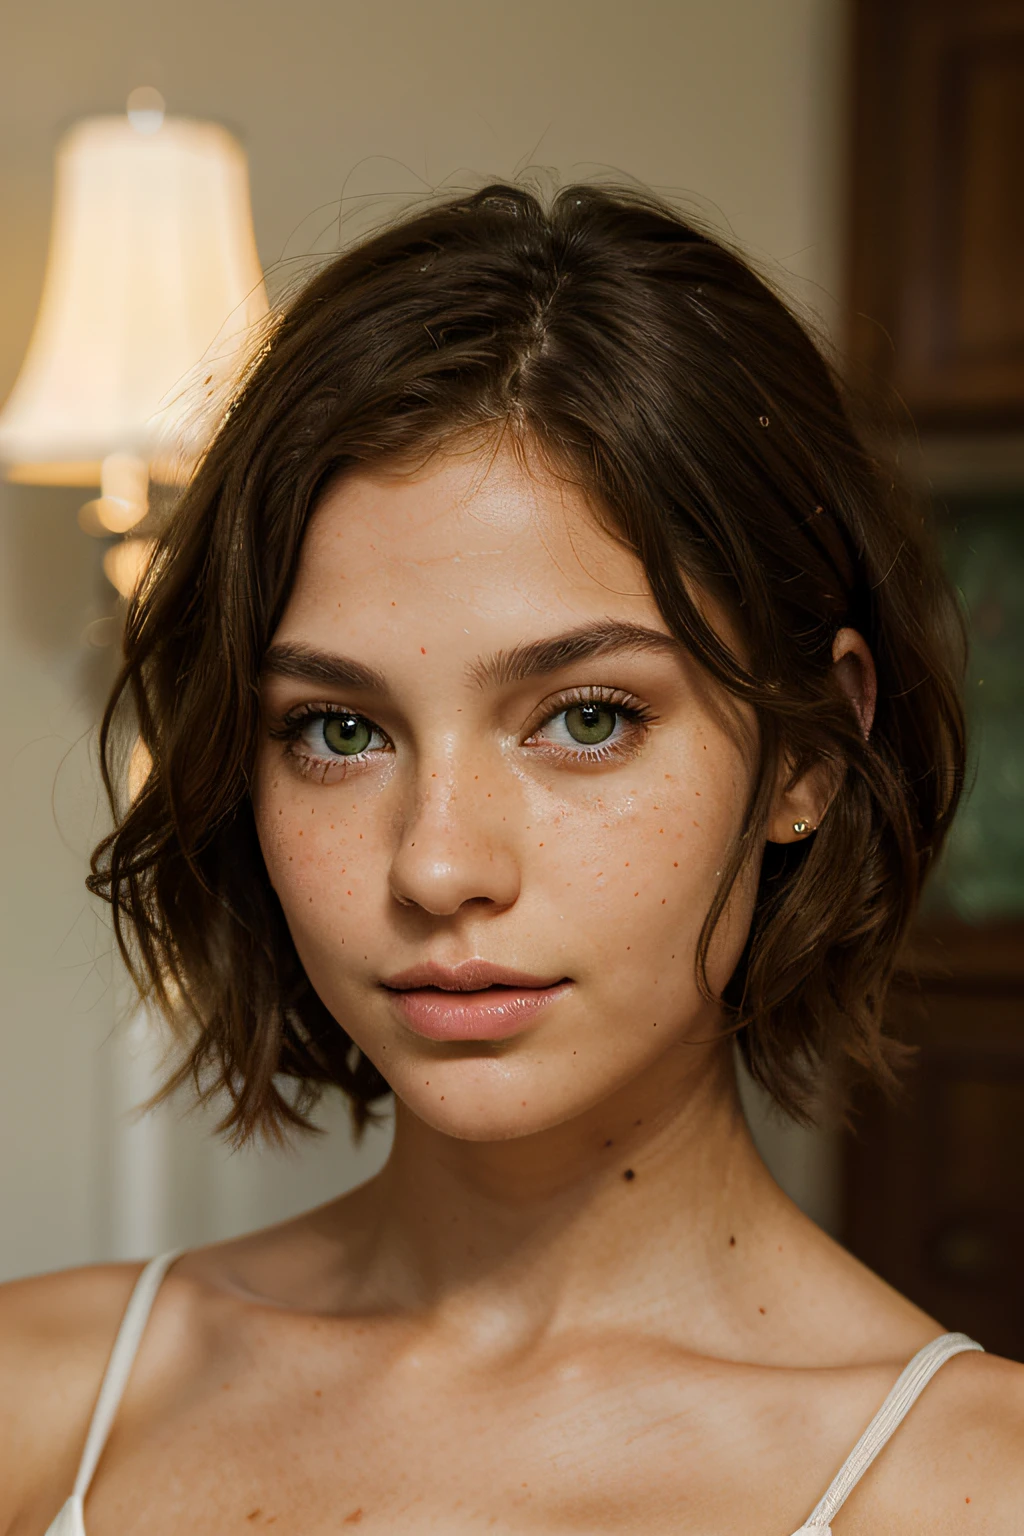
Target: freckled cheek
point(637, 884)
point(632, 877)
point(316, 855)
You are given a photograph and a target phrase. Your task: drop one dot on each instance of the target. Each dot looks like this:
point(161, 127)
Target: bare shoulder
point(55, 1336)
point(983, 1423)
point(958, 1462)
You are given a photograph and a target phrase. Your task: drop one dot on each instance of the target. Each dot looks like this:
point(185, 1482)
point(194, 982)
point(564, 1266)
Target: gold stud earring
point(801, 828)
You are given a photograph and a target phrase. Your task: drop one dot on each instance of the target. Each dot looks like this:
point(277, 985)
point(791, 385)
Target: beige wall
point(733, 105)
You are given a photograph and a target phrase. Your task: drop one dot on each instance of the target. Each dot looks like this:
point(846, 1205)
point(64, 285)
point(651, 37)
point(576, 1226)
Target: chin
point(478, 1128)
point(492, 1099)
point(458, 1104)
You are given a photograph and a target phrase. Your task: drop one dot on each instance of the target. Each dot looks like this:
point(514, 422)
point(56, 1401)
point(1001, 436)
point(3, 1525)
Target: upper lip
point(467, 976)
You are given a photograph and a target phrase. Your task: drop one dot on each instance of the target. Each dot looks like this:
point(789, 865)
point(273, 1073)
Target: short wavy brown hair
point(648, 362)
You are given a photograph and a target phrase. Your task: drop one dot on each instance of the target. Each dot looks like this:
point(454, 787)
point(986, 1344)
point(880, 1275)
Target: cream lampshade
point(152, 287)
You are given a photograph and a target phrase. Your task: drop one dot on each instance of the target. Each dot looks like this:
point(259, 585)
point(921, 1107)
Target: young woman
point(546, 693)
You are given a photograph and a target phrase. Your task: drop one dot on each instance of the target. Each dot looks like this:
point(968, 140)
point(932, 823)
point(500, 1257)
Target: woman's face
point(481, 743)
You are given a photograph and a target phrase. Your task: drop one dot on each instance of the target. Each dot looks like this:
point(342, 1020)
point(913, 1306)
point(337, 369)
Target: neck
point(656, 1199)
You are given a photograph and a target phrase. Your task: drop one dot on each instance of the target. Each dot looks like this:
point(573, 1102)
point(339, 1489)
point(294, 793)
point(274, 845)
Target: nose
point(454, 847)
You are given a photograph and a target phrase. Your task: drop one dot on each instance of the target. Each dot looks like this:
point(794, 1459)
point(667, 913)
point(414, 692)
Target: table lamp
point(152, 289)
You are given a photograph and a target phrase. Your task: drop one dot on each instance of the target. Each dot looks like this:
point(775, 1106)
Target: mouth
point(495, 1011)
point(474, 975)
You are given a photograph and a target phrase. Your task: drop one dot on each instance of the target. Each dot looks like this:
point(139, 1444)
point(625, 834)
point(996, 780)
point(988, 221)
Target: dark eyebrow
point(533, 658)
point(536, 657)
point(310, 666)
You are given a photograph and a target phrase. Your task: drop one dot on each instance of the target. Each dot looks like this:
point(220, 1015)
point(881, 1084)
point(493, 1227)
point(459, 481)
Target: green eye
point(590, 724)
point(347, 735)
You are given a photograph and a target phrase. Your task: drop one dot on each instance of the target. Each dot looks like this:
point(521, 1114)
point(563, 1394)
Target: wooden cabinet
point(937, 218)
point(935, 1180)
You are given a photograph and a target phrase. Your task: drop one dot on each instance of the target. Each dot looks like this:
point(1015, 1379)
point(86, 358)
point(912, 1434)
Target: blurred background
point(868, 156)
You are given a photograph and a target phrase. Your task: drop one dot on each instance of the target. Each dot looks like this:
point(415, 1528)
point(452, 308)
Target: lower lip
point(494, 1014)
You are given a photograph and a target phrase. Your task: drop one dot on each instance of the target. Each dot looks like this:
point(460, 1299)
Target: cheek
point(317, 853)
point(633, 878)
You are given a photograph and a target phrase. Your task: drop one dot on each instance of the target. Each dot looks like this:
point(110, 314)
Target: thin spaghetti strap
point(122, 1358)
point(907, 1389)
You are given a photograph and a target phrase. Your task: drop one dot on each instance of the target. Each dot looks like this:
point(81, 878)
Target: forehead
point(473, 533)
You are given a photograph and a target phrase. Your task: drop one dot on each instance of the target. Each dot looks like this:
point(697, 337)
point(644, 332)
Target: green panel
point(982, 872)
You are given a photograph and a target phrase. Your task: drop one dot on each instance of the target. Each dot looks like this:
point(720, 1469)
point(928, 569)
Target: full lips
point(495, 1013)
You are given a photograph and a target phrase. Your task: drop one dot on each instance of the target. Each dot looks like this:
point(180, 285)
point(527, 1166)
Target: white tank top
point(911, 1383)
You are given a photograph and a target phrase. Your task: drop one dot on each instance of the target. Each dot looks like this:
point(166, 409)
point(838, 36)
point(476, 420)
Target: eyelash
point(638, 716)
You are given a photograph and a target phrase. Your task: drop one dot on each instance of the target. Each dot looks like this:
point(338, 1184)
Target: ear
point(801, 803)
point(854, 670)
